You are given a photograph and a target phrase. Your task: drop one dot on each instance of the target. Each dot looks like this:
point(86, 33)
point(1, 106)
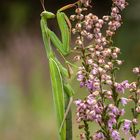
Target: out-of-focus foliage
point(26, 107)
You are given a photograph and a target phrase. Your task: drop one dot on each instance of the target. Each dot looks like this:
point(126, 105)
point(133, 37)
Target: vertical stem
point(87, 132)
point(115, 94)
point(135, 114)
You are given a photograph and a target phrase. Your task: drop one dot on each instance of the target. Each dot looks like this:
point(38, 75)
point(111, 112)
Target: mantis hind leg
point(68, 117)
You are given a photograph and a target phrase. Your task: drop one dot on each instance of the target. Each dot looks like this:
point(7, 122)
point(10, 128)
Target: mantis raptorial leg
point(62, 91)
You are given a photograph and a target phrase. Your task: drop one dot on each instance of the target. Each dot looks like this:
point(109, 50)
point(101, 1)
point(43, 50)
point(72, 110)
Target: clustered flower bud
point(98, 136)
point(115, 21)
point(89, 109)
point(86, 2)
point(97, 74)
point(121, 4)
point(126, 126)
point(136, 70)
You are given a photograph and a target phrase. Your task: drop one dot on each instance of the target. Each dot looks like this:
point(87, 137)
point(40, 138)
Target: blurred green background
point(26, 106)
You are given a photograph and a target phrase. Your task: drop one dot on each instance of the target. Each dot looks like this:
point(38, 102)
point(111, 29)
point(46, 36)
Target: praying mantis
point(62, 91)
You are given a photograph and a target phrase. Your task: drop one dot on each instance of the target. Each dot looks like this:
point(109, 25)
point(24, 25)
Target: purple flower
point(89, 84)
point(126, 125)
point(120, 87)
point(111, 122)
point(115, 135)
point(78, 102)
point(98, 118)
point(99, 136)
point(89, 109)
point(125, 84)
point(93, 85)
point(98, 109)
point(91, 100)
point(124, 101)
point(82, 84)
point(81, 108)
point(80, 77)
point(122, 112)
point(95, 71)
point(113, 110)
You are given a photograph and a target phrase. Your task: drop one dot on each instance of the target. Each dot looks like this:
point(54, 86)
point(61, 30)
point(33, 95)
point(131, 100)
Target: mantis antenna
point(42, 3)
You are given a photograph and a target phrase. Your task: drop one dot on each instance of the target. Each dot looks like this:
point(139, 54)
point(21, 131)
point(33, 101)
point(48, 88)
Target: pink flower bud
point(138, 91)
point(72, 17)
point(106, 18)
point(136, 70)
point(138, 109)
point(119, 62)
point(115, 10)
point(78, 26)
point(79, 42)
point(109, 33)
point(78, 10)
point(100, 21)
point(90, 61)
point(135, 121)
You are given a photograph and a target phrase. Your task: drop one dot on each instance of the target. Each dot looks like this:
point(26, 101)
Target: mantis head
point(47, 15)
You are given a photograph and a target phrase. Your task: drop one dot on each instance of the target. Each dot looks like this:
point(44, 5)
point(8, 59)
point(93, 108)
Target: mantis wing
point(62, 94)
point(58, 96)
